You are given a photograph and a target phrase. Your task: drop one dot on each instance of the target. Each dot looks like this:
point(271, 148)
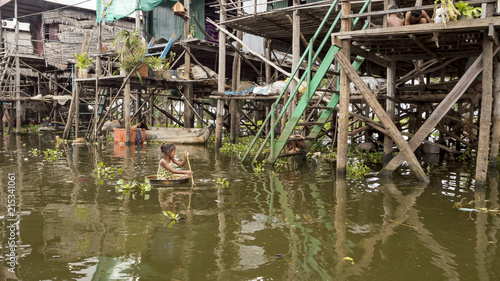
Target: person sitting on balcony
point(394, 19)
point(417, 17)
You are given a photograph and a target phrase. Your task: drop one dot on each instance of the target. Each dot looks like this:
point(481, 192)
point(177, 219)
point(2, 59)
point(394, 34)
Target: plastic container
point(119, 135)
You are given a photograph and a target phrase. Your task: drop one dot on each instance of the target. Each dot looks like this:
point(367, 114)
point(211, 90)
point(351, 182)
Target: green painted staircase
point(296, 119)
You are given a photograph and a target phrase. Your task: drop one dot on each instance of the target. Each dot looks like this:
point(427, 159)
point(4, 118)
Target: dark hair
point(416, 13)
point(393, 7)
point(166, 148)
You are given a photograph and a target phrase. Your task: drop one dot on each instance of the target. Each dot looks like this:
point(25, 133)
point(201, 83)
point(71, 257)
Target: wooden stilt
point(384, 118)
point(495, 138)
point(295, 54)
point(71, 113)
point(126, 113)
point(1, 117)
point(151, 109)
point(344, 96)
point(222, 78)
point(77, 113)
point(390, 108)
point(486, 109)
point(18, 73)
point(188, 101)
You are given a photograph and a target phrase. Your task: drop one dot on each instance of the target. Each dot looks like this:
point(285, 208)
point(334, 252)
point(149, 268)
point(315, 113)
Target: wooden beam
point(438, 114)
point(452, 26)
point(483, 146)
point(427, 50)
point(377, 126)
point(384, 118)
point(402, 10)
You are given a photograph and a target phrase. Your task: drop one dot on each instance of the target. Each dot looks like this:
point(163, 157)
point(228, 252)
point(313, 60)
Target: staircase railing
point(310, 88)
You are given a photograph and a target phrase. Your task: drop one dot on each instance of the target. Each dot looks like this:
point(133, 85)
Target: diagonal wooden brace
point(439, 112)
point(384, 117)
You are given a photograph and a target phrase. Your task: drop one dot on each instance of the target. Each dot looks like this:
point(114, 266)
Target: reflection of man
point(394, 19)
point(417, 17)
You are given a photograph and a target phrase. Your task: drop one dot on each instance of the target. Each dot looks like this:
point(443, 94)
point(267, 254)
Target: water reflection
point(298, 223)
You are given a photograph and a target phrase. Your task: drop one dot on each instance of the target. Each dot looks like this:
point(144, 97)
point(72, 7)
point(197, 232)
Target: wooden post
point(2, 49)
point(390, 108)
point(384, 118)
point(97, 86)
point(137, 107)
point(222, 78)
point(342, 146)
point(188, 99)
point(18, 73)
point(234, 104)
point(151, 109)
point(486, 108)
point(71, 113)
point(495, 138)
point(126, 113)
point(386, 7)
point(1, 112)
point(77, 111)
point(268, 56)
point(295, 54)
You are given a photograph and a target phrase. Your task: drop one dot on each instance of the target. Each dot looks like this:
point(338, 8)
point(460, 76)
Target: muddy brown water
point(298, 223)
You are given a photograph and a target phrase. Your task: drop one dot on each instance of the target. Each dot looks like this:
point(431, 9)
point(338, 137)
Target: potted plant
point(467, 11)
point(156, 64)
point(161, 67)
point(167, 74)
point(131, 51)
point(82, 63)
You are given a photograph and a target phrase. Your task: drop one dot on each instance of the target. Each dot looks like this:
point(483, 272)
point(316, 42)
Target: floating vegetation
point(281, 164)
point(259, 167)
point(52, 154)
point(133, 188)
point(171, 216)
point(35, 152)
point(102, 172)
point(371, 156)
point(330, 156)
point(222, 183)
point(239, 147)
point(357, 169)
point(467, 156)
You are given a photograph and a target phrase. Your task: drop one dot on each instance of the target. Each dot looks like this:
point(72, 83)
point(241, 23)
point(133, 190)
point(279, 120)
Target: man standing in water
point(417, 17)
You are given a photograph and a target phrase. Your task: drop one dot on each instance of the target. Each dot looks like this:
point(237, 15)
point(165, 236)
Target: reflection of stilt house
point(438, 82)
